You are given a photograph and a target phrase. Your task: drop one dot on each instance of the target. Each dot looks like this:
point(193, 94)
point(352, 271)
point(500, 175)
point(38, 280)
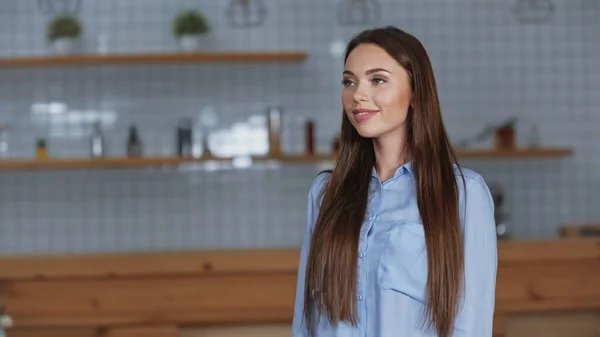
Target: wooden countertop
point(243, 261)
point(257, 286)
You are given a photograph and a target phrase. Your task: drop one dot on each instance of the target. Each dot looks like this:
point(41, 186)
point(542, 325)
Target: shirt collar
point(405, 168)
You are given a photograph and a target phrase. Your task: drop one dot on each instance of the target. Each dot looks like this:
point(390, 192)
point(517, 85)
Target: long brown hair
point(331, 270)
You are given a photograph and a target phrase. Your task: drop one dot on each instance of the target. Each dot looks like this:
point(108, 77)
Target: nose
point(360, 94)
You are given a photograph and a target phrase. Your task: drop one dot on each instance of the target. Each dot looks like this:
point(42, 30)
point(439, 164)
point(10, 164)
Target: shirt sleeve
point(475, 318)
point(298, 324)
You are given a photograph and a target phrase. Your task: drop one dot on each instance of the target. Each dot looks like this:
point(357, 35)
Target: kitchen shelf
point(124, 162)
point(118, 162)
point(516, 153)
point(153, 58)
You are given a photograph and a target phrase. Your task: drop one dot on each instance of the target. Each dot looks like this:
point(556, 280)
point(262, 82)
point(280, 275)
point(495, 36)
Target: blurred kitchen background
point(123, 130)
point(493, 63)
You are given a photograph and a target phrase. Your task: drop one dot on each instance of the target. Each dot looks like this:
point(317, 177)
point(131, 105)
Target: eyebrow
point(368, 72)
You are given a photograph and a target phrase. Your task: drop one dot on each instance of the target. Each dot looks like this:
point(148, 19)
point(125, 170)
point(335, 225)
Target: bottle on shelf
point(97, 141)
point(309, 137)
point(184, 137)
point(4, 153)
point(206, 121)
point(134, 144)
point(274, 116)
point(206, 144)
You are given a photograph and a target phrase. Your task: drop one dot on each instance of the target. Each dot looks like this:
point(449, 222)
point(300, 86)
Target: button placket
point(360, 267)
point(362, 271)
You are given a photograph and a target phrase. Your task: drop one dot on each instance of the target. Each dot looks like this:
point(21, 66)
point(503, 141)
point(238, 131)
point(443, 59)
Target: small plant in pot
point(63, 32)
point(188, 27)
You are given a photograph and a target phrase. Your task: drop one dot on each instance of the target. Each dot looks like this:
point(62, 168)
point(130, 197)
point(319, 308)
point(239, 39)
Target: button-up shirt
point(392, 261)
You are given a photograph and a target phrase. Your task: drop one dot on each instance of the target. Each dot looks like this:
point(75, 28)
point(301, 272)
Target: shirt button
point(359, 297)
point(360, 255)
point(370, 218)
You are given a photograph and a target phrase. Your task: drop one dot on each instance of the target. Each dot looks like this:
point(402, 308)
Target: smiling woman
point(398, 234)
point(371, 91)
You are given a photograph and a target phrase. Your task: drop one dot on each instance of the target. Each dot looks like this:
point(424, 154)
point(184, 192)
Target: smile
point(361, 115)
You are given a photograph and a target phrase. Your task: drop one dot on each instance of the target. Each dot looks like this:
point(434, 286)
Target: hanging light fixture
point(358, 12)
point(54, 7)
point(246, 13)
point(533, 11)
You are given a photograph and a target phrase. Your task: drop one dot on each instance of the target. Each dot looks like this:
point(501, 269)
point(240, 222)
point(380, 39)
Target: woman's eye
point(346, 83)
point(378, 80)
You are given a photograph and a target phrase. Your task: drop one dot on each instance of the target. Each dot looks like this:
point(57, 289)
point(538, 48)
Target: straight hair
point(331, 272)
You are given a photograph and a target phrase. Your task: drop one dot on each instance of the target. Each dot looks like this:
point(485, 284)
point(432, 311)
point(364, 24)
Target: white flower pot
point(63, 45)
point(189, 43)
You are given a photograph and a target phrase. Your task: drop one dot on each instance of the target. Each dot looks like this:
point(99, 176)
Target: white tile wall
point(488, 66)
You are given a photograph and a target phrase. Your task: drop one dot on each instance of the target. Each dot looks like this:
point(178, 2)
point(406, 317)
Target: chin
point(368, 132)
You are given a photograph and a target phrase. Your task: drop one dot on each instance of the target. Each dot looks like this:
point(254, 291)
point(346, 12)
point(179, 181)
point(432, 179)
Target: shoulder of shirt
point(318, 184)
point(471, 177)
point(474, 182)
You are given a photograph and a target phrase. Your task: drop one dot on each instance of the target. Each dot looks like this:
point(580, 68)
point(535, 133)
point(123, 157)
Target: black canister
point(184, 137)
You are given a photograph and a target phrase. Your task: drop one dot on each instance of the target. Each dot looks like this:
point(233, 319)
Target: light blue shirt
point(392, 261)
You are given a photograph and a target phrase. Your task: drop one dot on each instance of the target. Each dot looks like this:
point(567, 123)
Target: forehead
point(369, 56)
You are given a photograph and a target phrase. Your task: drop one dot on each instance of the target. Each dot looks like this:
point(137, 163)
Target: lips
point(362, 115)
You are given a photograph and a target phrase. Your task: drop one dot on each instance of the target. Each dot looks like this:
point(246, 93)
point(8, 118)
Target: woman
point(393, 245)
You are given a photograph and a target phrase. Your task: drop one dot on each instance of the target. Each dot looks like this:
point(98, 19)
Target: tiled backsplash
point(488, 66)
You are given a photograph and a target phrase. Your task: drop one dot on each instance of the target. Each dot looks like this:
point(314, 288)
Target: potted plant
point(42, 151)
point(188, 27)
point(62, 32)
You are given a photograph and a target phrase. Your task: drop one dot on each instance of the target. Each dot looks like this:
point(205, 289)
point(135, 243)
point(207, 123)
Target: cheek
point(347, 99)
point(392, 100)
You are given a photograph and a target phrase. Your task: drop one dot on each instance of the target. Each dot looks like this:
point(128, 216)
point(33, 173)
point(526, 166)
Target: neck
point(389, 155)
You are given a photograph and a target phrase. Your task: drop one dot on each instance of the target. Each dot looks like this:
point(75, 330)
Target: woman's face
point(376, 94)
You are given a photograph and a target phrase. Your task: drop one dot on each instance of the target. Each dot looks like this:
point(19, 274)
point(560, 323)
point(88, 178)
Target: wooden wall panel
point(145, 331)
point(243, 261)
point(585, 324)
point(548, 250)
point(256, 287)
point(264, 330)
point(54, 332)
point(148, 264)
point(130, 331)
point(206, 299)
point(548, 285)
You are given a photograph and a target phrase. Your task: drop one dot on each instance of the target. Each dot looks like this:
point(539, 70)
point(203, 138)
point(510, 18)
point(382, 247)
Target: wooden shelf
point(124, 162)
point(85, 163)
point(517, 153)
point(116, 59)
